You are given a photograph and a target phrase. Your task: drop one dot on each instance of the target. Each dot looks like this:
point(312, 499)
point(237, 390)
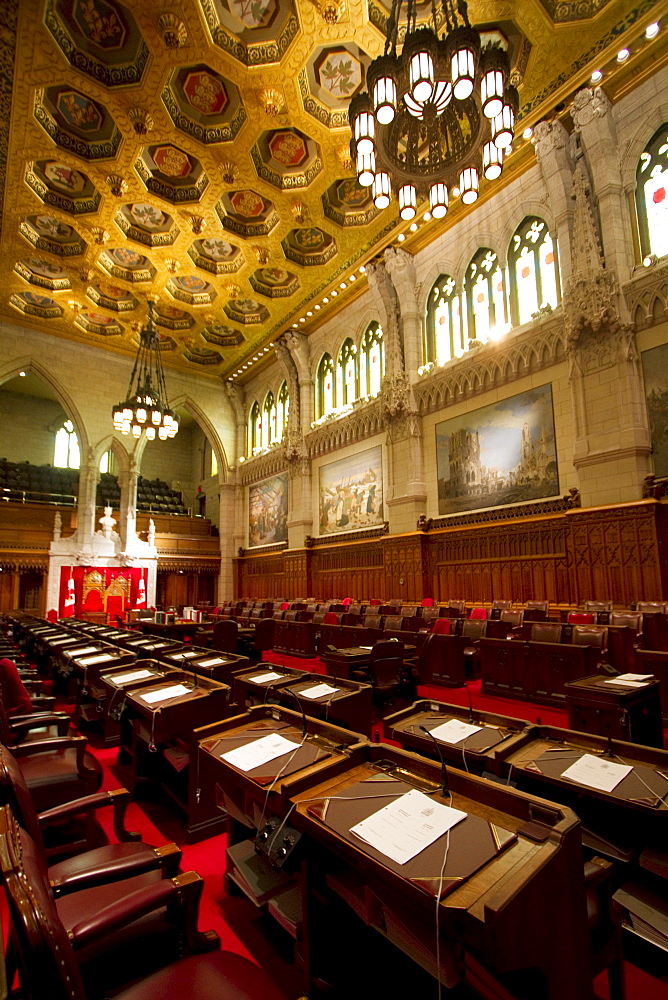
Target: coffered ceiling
point(197, 152)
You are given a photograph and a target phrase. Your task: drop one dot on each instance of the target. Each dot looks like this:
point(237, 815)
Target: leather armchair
point(57, 770)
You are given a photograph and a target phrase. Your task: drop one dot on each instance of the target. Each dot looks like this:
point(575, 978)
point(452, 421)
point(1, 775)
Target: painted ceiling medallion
point(331, 77)
point(246, 213)
point(347, 203)
point(127, 264)
point(573, 10)
point(63, 187)
point(34, 304)
point(223, 336)
point(77, 123)
point(109, 296)
point(256, 32)
point(274, 282)
point(204, 104)
point(246, 311)
point(201, 355)
point(216, 255)
point(309, 246)
point(47, 233)
point(287, 158)
point(99, 38)
point(96, 322)
point(147, 224)
point(171, 173)
point(192, 289)
point(171, 317)
point(43, 273)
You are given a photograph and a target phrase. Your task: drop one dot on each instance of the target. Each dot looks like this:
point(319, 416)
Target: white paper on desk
point(88, 661)
point(365, 647)
point(259, 752)
point(265, 678)
point(134, 675)
point(82, 652)
point(628, 684)
point(634, 677)
point(164, 694)
point(406, 826)
point(597, 772)
point(177, 657)
point(212, 663)
point(454, 731)
point(319, 691)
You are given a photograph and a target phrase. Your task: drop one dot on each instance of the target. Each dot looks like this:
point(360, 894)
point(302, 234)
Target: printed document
point(164, 694)
point(134, 675)
point(266, 677)
point(319, 691)
point(259, 752)
point(406, 826)
point(454, 731)
point(597, 772)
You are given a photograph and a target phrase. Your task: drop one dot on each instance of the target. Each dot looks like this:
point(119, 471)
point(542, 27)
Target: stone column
point(235, 394)
point(89, 477)
point(230, 541)
point(127, 519)
point(551, 142)
point(400, 267)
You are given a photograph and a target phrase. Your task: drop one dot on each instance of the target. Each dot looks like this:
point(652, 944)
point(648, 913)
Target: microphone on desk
point(468, 692)
point(301, 709)
point(444, 770)
point(192, 669)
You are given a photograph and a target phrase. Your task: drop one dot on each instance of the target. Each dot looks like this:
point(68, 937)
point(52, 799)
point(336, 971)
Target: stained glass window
point(443, 330)
point(325, 392)
point(485, 292)
point(282, 410)
point(254, 429)
point(66, 451)
point(268, 420)
point(372, 360)
point(652, 195)
point(532, 263)
point(346, 373)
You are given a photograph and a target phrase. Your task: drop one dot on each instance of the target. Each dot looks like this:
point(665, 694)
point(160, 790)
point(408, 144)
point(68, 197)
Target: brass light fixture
point(438, 115)
point(146, 409)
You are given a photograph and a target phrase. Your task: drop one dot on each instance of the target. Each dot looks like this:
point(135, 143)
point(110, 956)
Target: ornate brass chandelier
point(146, 408)
point(437, 116)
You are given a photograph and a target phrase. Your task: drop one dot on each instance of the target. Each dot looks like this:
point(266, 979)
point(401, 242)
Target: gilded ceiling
point(196, 152)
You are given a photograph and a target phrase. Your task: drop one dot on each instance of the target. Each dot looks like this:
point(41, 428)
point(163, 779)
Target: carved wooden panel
point(355, 571)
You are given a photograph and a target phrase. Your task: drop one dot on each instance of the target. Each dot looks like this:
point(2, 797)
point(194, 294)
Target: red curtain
point(96, 599)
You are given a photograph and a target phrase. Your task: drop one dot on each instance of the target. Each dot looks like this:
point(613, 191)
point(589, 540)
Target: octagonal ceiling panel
point(247, 213)
point(171, 173)
point(44, 273)
point(573, 10)
point(47, 233)
point(127, 264)
point(331, 78)
point(192, 289)
point(95, 322)
point(77, 123)
point(256, 32)
point(99, 38)
point(34, 304)
point(63, 187)
point(347, 203)
point(199, 355)
point(169, 316)
point(246, 311)
point(109, 296)
point(165, 342)
point(309, 246)
point(274, 282)
point(147, 224)
point(204, 104)
point(222, 335)
point(217, 255)
point(287, 158)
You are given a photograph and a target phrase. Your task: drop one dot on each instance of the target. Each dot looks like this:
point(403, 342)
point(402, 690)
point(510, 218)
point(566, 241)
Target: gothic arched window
point(268, 420)
point(282, 410)
point(652, 195)
point(325, 391)
point(443, 329)
point(254, 429)
point(346, 373)
point(485, 292)
point(66, 450)
point(532, 265)
point(372, 360)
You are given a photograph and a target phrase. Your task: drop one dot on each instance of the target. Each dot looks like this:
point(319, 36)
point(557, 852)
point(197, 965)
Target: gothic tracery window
point(325, 391)
point(652, 195)
point(268, 420)
point(372, 360)
point(282, 410)
point(532, 265)
point(66, 450)
point(346, 373)
point(254, 429)
point(485, 292)
point(443, 329)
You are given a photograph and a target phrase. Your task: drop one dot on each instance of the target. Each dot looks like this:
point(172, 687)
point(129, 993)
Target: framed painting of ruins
point(655, 370)
point(499, 454)
point(351, 492)
point(268, 511)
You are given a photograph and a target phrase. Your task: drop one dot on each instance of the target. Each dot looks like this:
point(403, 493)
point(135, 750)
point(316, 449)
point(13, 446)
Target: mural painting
point(351, 492)
point(499, 454)
point(268, 511)
point(655, 369)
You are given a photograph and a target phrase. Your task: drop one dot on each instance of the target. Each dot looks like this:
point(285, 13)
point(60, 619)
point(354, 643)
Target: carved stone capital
point(548, 137)
point(395, 396)
point(235, 394)
point(588, 104)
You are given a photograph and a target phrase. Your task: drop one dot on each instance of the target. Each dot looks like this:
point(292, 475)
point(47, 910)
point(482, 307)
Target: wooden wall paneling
point(262, 576)
point(8, 584)
point(357, 568)
point(403, 562)
point(297, 574)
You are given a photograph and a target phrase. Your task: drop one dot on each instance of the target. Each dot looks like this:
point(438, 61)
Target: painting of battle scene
point(655, 370)
point(499, 454)
point(268, 511)
point(351, 492)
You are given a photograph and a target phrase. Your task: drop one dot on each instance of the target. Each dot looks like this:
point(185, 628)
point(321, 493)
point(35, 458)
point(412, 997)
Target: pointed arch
point(184, 402)
point(111, 443)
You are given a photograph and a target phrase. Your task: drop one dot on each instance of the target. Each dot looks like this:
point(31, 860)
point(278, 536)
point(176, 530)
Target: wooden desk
point(493, 923)
point(446, 664)
point(604, 706)
point(613, 824)
point(650, 661)
point(247, 690)
point(536, 671)
point(177, 630)
point(87, 664)
point(295, 638)
point(477, 753)
point(351, 706)
point(219, 666)
point(341, 662)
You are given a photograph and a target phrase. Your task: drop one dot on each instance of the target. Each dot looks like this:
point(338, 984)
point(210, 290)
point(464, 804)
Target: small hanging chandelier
point(146, 409)
point(437, 116)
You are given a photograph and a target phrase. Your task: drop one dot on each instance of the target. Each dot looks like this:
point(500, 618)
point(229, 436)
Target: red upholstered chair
point(331, 618)
point(374, 600)
point(284, 606)
point(427, 602)
point(93, 601)
point(52, 615)
point(478, 614)
point(49, 950)
point(347, 601)
point(580, 618)
point(442, 626)
point(225, 636)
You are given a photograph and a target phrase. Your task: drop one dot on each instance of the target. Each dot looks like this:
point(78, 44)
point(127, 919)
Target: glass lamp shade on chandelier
point(437, 116)
point(146, 409)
